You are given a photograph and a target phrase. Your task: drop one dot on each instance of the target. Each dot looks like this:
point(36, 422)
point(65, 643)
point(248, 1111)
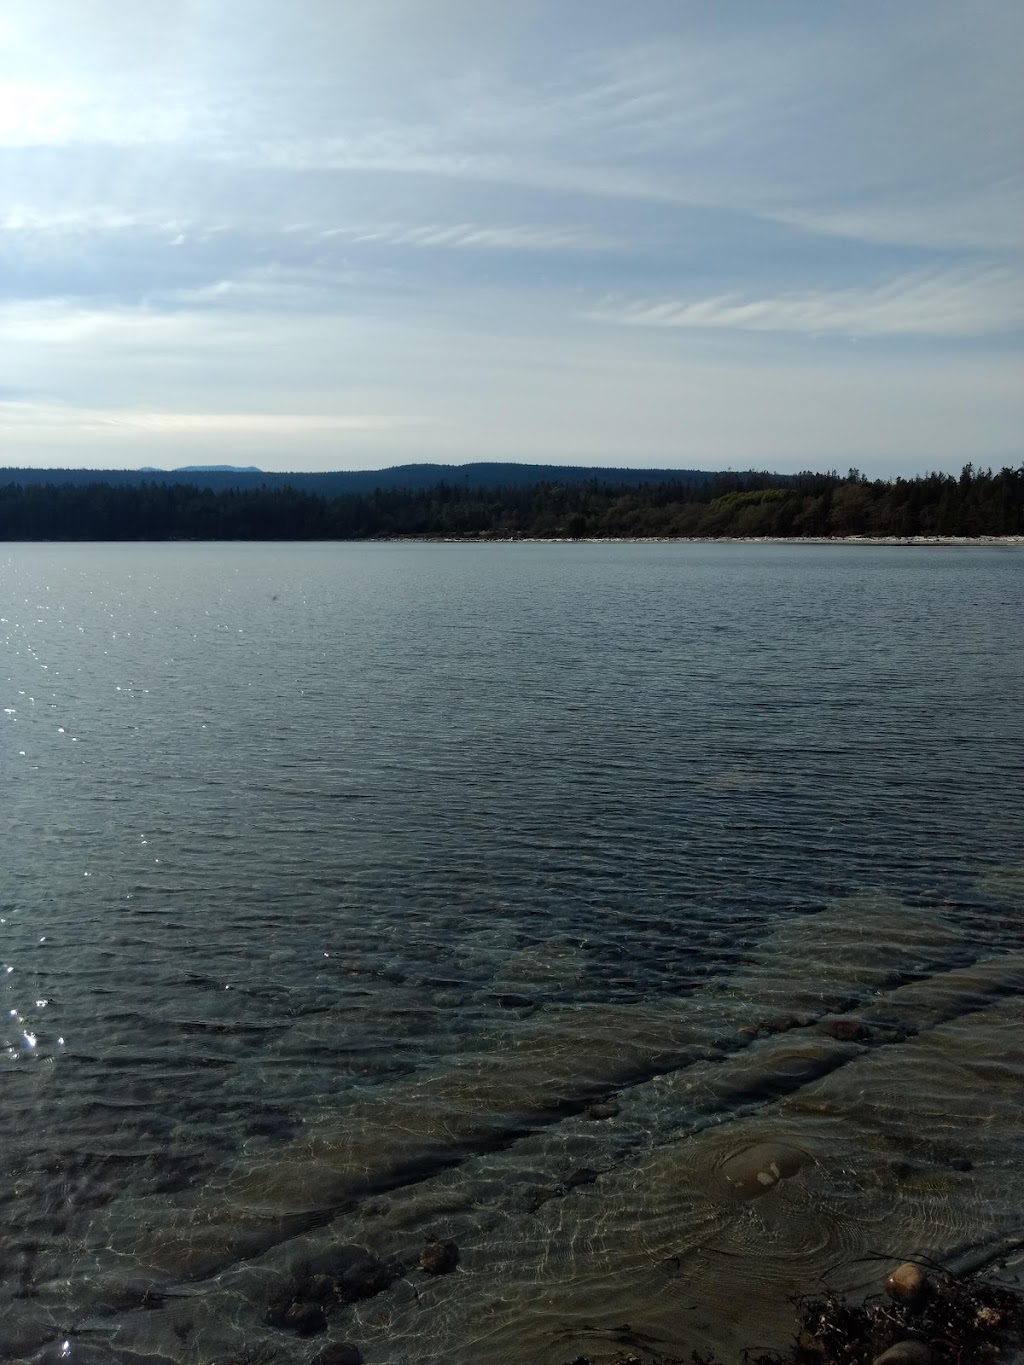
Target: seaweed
point(963, 1320)
point(954, 1320)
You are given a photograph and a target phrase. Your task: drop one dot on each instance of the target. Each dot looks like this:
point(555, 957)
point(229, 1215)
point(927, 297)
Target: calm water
point(339, 882)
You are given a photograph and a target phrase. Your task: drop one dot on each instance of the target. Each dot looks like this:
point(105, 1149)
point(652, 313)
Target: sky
point(345, 234)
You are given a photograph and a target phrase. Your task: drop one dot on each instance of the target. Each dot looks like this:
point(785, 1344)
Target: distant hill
point(204, 469)
point(407, 476)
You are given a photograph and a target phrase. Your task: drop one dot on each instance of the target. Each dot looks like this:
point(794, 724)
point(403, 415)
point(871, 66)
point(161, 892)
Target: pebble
point(602, 1111)
point(907, 1284)
point(439, 1257)
point(906, 1353)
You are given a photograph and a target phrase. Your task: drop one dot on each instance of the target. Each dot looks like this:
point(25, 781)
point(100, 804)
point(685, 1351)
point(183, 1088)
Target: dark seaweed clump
point(963, 1320)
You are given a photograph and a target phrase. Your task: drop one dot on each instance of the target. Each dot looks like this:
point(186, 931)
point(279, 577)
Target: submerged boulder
point(847, 1029)
point(604, 1109)
point(298, 1315)
point(755, 1169)
point(585, 1175)
point(439, 1257)
point(338, 1353)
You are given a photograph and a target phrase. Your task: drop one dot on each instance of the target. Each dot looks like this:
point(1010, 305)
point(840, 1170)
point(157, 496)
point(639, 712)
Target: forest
point(975, 503)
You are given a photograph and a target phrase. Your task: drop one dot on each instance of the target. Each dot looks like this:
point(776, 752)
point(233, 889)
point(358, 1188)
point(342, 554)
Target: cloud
point(988, 220)
point(60, 323)
point(18, 414)
point(582, 230)
point(476, 237)
point(958, 303)
point(87, 220)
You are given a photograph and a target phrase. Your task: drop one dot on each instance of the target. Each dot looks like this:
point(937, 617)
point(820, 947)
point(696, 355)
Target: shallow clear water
point(338, 881)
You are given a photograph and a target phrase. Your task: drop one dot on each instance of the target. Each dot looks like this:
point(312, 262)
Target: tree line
point(975, 503)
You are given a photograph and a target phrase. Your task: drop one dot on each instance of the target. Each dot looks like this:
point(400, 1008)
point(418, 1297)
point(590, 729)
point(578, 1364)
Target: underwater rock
point(586, 1175)
point(529, 1069)
point(755, 1169)
point(781, 1023)
point(947, 995)
point(364, 1278)
point(847, 1030)
point(439, 1257)
point(604, 1110)
point(297, 1315)
point(448, 1000)
point(774, 1067)
point(906, 1353)
point(338, 1353)
point(907, 1284)
point(319, 1289)
point(342, 1275)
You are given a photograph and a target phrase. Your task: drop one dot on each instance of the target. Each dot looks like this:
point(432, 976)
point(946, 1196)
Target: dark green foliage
point(744, 505)
point(751, 498)
point(331, 484)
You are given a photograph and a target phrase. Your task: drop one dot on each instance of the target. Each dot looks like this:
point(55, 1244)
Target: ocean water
point(647, 920)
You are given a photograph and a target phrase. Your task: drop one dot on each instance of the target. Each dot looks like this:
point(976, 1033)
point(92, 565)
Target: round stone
point(906, 1353)
point(907, 1284)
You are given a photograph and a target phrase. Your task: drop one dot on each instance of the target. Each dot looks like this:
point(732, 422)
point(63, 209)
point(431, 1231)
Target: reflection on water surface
point(354, 896)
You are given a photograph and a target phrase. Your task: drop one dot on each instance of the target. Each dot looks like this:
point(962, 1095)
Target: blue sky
point(352, 233)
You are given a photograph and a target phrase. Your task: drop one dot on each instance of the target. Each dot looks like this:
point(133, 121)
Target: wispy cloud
point(17, 415)
point(989, 219)
point(91, 219)
point(960, 303)
point(537, 226)
point(98, 220)
point(476, 237)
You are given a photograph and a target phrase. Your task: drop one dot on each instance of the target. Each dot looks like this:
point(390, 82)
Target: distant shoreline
point(976, 509)
point(910, 542)
point(906, 542)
